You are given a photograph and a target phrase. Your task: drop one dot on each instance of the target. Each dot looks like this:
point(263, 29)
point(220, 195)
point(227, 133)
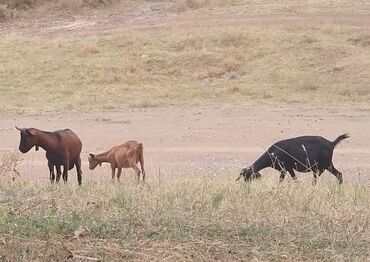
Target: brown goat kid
point(63, 148)
point(126, 155)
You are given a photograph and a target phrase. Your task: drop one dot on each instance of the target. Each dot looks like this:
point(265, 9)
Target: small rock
point(234, 76)
point(208, 81)
point(338, 68)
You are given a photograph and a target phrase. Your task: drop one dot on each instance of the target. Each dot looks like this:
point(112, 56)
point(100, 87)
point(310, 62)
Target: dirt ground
point(152, 17)
point(202, 141)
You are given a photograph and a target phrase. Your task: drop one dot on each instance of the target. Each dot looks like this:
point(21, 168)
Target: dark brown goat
point(63, 148)
point(123, 156)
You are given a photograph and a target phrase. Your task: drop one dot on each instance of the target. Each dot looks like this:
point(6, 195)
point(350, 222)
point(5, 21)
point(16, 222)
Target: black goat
point(303, 154)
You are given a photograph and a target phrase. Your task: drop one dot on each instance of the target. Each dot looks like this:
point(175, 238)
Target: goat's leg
point(51, 171)
point(137, 170)
point(292, 174)
point(65, 171)
point(113, 171)
point(59, 173)
point(79, 171)
point(336, 173)
point(282, 175)
point(141, 160)
point(119, 173)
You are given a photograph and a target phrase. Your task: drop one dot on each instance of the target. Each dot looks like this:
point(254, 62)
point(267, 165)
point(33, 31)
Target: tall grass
point(185, 218)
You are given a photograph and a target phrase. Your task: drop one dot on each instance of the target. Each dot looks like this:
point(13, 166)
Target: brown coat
point(63, 148)
point(126, 155)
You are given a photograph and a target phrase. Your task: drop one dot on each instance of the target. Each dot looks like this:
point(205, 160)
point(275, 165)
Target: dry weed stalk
point(8, 164)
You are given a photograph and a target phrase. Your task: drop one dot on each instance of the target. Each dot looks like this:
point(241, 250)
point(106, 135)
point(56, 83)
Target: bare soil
point(202, 141)
point(148, 17)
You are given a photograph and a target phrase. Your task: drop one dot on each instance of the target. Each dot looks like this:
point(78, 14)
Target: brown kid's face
point(92, 162)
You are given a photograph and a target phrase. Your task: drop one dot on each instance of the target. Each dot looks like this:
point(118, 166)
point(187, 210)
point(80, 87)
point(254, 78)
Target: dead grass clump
point(21, 4)
point(6, 13)
point(9, 7)
point(8, 164)
point(232, 63)
point(89, 48)
point(363, 40)
point(3, 13)
point(78, 4)
point(185, 5)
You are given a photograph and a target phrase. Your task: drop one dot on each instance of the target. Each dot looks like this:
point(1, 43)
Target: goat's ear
point(30, 131)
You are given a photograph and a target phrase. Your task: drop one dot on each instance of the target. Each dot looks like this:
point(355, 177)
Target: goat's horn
point(20, 129)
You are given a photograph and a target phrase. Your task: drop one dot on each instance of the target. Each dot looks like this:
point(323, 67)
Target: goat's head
point(93, 162)
point(248, 174)
point(28, 139)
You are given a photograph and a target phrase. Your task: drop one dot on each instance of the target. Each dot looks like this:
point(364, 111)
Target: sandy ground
point(67, 25)
point(201, 141)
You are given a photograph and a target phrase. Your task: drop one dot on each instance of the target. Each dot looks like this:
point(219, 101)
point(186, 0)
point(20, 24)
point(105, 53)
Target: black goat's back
point(303, 153)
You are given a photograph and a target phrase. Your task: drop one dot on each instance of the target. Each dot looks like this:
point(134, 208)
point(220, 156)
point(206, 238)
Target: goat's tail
point(140, 152)
point(139, 147)
point(339, 138)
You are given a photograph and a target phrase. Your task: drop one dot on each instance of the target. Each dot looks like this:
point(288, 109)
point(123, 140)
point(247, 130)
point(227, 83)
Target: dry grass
point(12, 9)
point(186, 67)
point(185, 218)
point(27, 4)
point(9, 161)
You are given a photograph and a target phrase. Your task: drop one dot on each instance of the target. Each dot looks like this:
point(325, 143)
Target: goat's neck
point(46, 140)
point(103, 157)
point(262, 162)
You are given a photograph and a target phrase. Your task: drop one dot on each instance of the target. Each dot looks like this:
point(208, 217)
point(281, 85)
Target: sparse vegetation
point(174, 218)
point(9, 162)
point(181, 67)
point(188, 218)
point(27, 4)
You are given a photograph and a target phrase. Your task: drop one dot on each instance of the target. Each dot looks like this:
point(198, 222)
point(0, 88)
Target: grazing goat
point(123, 156)
point(303, 154)
point(63, 148)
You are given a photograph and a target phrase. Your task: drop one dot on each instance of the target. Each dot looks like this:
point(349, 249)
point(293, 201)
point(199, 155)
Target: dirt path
point(202, 141)
point(107, 23)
